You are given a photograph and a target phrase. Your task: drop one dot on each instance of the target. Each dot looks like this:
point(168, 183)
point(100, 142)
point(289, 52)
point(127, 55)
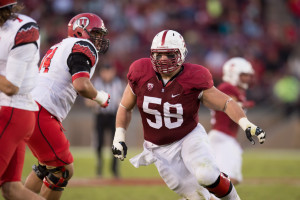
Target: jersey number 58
point(165, 116)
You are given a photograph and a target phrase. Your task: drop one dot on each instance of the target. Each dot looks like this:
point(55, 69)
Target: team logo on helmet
point(82, 22)
point(150, 86)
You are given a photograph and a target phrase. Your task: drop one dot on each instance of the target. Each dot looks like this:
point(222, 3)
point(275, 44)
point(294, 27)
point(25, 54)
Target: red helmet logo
point(82, 22)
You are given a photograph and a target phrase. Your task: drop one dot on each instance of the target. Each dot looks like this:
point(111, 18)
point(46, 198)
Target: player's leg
point(100, 126)
point(112, 128)
point(177, 177)
point(50, 146)
point(11, 185)
point(34, 180)
point(12, 144)
point(55, 182)
point(51, 180)
point(198, 158)
point(228, 154)
point(17, 191)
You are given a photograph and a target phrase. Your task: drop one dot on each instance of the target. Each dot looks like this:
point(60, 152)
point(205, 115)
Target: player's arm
point(80, 65)
point(7, 87)
point(123, 119)
point(217, 100)
point(22, 53)
point(16, 67)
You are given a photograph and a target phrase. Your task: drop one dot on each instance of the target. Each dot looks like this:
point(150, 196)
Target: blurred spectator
point(105, 118)
point(214, 30)
point(287, 90)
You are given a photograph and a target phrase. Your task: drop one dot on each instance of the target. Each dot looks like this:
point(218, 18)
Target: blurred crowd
point(265, 32)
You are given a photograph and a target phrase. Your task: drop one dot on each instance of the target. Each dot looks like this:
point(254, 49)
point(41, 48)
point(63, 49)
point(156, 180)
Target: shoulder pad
point(87, 49)
point(28, 33)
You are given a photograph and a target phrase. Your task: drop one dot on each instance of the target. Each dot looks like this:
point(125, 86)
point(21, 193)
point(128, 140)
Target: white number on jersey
point(166, 115)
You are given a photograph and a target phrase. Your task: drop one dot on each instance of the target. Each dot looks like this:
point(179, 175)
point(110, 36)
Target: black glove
point(258, 132)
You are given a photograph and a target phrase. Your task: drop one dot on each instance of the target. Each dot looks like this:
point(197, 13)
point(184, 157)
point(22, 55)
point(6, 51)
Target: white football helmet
point(233, 68)
point(172, 42)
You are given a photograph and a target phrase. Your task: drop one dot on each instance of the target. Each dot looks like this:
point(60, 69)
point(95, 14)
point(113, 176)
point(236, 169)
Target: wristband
point(101, 97)
point(245, 123)
point(120, 134)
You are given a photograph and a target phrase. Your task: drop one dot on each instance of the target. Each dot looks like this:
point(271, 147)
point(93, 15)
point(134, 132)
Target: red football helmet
point(89, 26)
point(4, 3)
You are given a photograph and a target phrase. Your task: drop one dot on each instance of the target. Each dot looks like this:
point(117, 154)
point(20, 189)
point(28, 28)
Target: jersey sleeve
point(79, 65)
point(133, 75)
point(28, 33)
point(203, 78)
point(86, 48)
point(229, 90)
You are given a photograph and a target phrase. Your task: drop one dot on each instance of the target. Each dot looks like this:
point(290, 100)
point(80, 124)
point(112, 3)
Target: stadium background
point(266, 32)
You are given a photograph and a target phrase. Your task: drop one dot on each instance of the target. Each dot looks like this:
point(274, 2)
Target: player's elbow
point(81, 85)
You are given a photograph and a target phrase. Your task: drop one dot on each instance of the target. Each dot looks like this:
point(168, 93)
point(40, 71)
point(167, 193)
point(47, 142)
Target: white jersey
point(54, 90)
point(19, 57)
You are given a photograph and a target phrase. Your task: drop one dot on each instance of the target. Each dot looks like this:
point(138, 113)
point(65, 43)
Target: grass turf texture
point(267, 175)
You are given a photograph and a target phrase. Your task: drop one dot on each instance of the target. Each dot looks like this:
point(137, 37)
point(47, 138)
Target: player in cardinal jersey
point(168, 93)
point(64, 72)
point(237, 73)
point(19, 57)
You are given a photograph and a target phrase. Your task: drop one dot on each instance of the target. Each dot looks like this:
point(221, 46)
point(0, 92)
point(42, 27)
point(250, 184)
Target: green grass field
point(268, 175)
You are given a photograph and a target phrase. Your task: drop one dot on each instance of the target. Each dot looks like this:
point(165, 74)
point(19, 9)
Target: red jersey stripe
point(79, 75)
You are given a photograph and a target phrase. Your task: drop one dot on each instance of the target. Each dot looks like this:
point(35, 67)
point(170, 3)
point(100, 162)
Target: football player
point(168, 93)
point(64, 72)
point(237, 75)
point(19, 57)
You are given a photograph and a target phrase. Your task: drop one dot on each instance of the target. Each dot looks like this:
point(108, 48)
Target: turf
point(268, 174)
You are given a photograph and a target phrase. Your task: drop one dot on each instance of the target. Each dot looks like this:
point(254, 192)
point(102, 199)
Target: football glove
point(119, 148)
point(102, 98)
point(252, 130)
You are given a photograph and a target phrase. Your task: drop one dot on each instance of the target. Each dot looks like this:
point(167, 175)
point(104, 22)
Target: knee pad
point(221, 187)
point(57, 183)
point(40, 170)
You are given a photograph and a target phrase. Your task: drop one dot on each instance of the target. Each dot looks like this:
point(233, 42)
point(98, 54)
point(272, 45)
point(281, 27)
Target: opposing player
point(64, 72)
point(237, 74)
point(19, 44)
point(168, 93)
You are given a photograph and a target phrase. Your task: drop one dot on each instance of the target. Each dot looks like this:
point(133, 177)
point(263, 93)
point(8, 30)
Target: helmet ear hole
point(79, 34)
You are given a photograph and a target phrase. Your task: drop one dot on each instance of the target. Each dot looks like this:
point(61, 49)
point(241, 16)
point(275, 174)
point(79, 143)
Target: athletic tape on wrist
point(245, 123)
point(101, 97)
point(120, 134)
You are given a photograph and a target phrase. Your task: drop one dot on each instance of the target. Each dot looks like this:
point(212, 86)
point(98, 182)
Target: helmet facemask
point(96, 36)
point(165, 66)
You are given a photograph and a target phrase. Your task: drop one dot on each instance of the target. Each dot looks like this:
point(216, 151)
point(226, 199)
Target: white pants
point(184, 165)
point(228, 154)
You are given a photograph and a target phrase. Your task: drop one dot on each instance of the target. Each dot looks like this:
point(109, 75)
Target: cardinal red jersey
point(220, 120)
point(168, 112)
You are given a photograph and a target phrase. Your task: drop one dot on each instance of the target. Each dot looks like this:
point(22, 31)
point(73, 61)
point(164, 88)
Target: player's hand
point(105, 104)
point(252, 130)
point(119, 148)
point(255, 131)
point(102, 98)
